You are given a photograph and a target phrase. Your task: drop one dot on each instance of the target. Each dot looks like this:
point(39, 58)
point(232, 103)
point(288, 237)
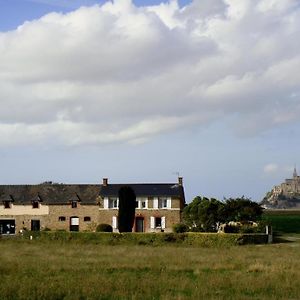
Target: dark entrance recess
point(35, 225)
point(139, 224)
point(74, 224)
point(7, 227)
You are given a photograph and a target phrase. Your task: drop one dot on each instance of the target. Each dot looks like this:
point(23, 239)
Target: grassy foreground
point(58, 270)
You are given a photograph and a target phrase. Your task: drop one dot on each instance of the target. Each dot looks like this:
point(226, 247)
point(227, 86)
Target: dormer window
point(7, 204)
point(35, 204)
point(74, 204)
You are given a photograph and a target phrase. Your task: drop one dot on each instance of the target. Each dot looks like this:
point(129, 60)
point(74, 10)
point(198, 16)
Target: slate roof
point(145, 190)
point(50, 193)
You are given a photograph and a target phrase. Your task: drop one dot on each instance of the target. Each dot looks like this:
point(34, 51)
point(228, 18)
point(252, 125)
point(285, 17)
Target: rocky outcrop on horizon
point(284, 196)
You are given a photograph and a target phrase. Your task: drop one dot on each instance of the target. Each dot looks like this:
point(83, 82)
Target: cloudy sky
point(137, 91)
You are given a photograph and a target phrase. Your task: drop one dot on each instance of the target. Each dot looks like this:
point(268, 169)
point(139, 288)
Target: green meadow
point(283, 221)
point(40, 269)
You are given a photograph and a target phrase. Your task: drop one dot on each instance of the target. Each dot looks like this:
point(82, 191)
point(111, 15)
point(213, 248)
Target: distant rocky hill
point(285, 195)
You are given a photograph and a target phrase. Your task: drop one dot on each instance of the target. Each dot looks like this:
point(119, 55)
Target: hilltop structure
point(81, 207)
point(285, 195)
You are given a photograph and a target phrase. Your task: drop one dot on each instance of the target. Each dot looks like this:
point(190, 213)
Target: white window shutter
point(105, 203)
point(169, 203)
point(155, 203)
point(114, 222)
point(152, 222)
point(163, 222)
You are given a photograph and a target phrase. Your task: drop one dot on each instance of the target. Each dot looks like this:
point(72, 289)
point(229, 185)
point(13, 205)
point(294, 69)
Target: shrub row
point(154, 239)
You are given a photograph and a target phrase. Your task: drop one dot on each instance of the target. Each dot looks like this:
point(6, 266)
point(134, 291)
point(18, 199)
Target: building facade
point(81, 207)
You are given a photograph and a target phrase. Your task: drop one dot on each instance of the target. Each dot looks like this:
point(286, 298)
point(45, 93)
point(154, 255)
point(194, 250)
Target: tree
point(241, 209)
point(127, 201)
point(203, 214)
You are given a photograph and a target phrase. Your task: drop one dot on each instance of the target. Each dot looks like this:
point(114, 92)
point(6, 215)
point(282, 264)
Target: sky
point(139, 91)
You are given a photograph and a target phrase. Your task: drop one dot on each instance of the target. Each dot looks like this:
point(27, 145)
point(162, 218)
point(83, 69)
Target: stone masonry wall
point(23, 222)
point(172, 217)
point(81, 211)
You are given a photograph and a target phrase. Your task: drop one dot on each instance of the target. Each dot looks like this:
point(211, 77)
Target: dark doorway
point(74, 224)
point(7, 227)
point(139, 224)
point(35, 225)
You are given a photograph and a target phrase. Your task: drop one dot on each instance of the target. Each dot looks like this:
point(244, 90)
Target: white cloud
point(120, 73)
point(271, 168)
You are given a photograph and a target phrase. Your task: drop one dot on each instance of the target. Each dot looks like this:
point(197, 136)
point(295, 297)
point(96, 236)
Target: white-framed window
point(141, 203)
point(158, 222)
point(164, 202)
point(144, 203)
point(113, 202)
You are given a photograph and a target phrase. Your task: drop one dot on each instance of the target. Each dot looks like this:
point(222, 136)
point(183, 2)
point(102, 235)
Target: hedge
point(154, 239)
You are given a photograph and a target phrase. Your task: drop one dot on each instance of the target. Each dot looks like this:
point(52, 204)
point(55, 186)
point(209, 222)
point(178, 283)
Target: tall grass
point(68, 270)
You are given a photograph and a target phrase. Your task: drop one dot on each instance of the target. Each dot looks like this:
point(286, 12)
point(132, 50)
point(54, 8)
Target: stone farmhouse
point(81, 207)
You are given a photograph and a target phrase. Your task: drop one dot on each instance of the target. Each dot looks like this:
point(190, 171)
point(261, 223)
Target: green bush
point(104, 228)
point(194, 239)
point(180, 228)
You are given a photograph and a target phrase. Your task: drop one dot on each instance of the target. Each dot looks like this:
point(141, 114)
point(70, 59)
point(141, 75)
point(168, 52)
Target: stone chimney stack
point(180, 181)
point(105, 182)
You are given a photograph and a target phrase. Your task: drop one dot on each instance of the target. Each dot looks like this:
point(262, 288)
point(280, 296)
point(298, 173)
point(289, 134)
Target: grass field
point(56, 270)
point(283, 221)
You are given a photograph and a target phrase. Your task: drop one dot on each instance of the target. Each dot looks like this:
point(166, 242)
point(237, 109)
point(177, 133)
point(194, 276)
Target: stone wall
point(50, 216)
point(81, 211)
point(172, 216)
point(23, 222)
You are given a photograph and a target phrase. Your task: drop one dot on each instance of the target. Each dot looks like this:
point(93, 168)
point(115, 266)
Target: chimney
point(180, 181)
point(105, 182)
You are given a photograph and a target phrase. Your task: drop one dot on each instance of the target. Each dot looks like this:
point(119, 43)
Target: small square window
point(87, 219)
point(74, 204)
point(136, 204)
point(62, 219)
point(143, 204)
point(7, 204)
point(35, 204)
